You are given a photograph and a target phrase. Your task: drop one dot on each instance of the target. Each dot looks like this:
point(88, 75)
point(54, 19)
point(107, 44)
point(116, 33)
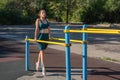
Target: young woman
point(42, 32)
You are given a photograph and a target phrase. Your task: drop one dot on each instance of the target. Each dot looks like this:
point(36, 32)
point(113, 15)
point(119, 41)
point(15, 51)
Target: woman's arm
point(49, 32)
point(36, 28)
point(49, 29)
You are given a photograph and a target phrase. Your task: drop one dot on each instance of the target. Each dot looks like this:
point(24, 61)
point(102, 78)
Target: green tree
point(58, 7)
point(89, 11)
point(112, 8)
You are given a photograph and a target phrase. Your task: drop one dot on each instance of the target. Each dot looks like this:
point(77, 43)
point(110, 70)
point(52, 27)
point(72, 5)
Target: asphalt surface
point(12, 55)
point(12, 64)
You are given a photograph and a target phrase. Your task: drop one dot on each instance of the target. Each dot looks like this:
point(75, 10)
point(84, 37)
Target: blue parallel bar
point(27, 54)
point(84, 55)
point(68, 64)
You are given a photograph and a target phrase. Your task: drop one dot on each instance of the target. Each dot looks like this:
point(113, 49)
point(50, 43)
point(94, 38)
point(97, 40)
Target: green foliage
point(17, 12)
point(59, 9)
point(88, 11)
point(93, 11)
point(112, 11)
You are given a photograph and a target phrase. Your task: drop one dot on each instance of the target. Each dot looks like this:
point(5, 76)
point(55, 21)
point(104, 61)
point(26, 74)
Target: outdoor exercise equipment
point(84, 32)
point(67, 44)
point(71, 40)
point(95, 31)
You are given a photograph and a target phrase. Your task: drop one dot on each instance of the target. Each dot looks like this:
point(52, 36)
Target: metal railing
point(67, 45)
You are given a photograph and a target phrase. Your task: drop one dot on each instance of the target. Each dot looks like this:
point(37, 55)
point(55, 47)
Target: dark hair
point(41, 11)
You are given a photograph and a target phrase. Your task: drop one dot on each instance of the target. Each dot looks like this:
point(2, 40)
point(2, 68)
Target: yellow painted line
point(95, 29)
point(72, 40)
point(49, 42)
point(93, 32)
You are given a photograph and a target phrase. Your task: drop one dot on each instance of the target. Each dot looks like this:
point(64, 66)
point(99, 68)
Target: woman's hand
point(50, 38)
point(35, 39)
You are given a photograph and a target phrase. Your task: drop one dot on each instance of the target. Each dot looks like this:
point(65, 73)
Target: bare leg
point(39, 57)
point(42, 62)
point(38, 62)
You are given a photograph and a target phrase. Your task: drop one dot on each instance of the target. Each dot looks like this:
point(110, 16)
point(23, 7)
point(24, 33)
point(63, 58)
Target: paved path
point(100, 46)
point(12, 56)
point(13, 68)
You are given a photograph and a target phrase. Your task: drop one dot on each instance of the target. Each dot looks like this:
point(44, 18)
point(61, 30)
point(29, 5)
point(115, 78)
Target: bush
point(15, 12)
point(88, 11)
point(14, 17)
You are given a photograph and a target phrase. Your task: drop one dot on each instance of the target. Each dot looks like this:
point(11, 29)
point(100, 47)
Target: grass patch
point(109, 59)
